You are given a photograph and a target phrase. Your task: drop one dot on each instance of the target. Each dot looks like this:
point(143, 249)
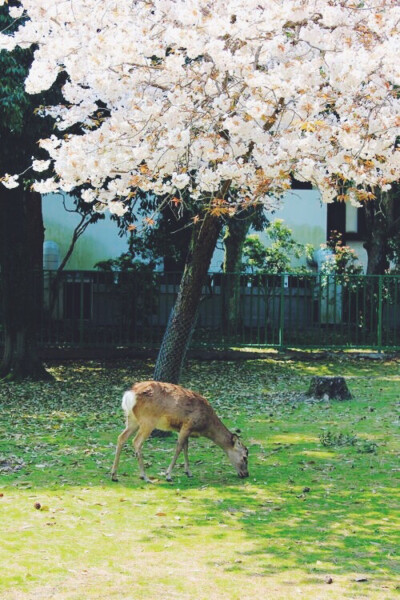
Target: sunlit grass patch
point(307, 513)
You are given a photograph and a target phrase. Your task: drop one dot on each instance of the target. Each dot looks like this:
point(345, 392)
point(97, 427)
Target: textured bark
point(21, 252)
point(379, 219)
point(183, 316)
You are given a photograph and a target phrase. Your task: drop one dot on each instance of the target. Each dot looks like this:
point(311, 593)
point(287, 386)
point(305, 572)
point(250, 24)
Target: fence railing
point(104, 309)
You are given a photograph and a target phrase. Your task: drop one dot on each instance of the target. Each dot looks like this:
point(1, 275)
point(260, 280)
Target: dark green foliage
point(344, 259)
point(277, 256)
point(168, 238)
point(140, 257)
point(14, 102)
point(20, 125)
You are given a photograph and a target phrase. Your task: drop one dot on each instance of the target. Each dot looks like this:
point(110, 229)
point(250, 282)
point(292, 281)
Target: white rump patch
point(128, 402)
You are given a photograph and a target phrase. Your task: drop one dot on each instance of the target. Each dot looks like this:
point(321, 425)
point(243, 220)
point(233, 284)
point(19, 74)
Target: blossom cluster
point(195, 95)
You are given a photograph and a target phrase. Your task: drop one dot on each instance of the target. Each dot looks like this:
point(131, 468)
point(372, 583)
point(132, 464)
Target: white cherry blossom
point(46, 186)
point(169, 94)
point(10, 181)
point(117, 208)
point(15, 12)
point(40, 165)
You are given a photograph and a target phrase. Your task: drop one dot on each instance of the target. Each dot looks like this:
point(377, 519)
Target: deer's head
point(238, 455)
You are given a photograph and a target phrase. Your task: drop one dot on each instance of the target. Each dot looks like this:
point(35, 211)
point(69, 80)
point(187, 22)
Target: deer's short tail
point(128, 402)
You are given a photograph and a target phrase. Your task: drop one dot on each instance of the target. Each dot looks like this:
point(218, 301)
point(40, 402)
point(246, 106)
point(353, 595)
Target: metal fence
point(104, 309)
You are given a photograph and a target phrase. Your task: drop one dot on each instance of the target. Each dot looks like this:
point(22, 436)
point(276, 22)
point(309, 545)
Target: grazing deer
point(153, 405)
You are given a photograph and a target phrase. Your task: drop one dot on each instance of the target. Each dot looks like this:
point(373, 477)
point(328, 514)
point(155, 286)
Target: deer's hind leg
point(141, 436)
point(131, 427)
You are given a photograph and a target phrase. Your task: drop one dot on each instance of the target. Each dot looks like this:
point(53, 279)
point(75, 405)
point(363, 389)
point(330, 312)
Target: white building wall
point(303, 212)
point(99, 242)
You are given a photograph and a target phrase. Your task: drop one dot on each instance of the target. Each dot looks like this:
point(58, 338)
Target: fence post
point(81, 313)
point(282, 311)
point(380, 290)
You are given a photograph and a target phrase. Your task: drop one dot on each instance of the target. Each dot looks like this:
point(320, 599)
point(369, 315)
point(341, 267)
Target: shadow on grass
point(307, 508)
point(304, 507)
point(315, 535)
point(335, 524)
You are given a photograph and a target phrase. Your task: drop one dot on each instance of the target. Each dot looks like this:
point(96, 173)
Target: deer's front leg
point(182, 440)
point(186, 455)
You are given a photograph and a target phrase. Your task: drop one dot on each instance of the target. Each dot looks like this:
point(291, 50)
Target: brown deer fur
point(153, 405)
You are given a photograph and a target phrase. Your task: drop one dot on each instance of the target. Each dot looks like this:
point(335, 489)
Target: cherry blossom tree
point(224, 100)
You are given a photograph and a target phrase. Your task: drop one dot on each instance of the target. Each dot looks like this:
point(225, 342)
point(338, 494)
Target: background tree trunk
point(183, 316)
point(379, 218)
point(234, 238)
point(21, 260)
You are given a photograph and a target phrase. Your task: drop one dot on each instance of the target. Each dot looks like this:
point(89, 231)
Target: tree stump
point(335, 388)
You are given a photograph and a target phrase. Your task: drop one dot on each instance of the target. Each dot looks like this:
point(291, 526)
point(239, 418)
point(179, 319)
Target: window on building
point(336, 218)
point(347, 220)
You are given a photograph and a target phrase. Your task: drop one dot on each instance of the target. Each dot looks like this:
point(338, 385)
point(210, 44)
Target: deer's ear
point(235, 439)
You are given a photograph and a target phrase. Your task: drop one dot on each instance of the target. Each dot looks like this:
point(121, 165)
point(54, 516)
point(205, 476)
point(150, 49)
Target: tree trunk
point(379, 216)
point(234, 238)
point(21, 255)
point(183, 316)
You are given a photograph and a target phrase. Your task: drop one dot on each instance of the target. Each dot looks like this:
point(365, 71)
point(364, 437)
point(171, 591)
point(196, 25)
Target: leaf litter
point(63, 434)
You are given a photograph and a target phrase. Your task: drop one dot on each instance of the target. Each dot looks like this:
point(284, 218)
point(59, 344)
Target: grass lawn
point(318, 517)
